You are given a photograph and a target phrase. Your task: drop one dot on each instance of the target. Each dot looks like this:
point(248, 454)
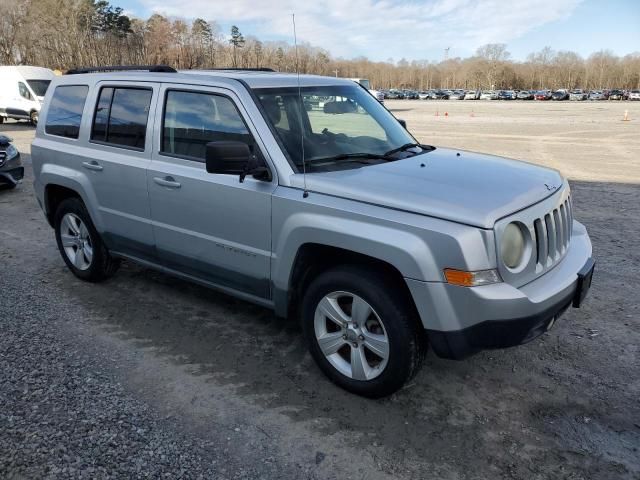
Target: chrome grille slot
point(565, 227)
point(570, 214)
point(3, 157)
point(541, 242)
point(551, 239)
point(557, 223)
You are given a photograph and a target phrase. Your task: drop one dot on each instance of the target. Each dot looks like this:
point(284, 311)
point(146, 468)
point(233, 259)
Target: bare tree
point(93, 32)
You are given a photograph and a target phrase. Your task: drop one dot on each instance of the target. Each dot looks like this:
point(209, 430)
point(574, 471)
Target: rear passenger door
point(120, 140)
point(209, 226)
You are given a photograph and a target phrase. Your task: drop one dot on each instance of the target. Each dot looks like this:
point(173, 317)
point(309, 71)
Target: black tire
point(33, 118)
point(406, 337)
point(102, 265)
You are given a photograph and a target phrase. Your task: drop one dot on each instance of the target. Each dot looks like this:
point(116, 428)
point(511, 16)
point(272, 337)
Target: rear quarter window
point(65, 110)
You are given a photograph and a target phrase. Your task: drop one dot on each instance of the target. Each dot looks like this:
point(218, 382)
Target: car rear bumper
point(462, 321)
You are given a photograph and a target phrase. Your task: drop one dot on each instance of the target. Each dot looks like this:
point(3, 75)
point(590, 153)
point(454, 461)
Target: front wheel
point(362, 331)
point(33, 117)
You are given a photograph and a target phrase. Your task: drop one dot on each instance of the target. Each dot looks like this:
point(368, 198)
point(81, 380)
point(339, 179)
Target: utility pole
point(336, 72)
point(446, 53)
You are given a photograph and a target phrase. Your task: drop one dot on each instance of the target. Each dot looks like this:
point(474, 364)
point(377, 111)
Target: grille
point(552, 235)
point(3, 158)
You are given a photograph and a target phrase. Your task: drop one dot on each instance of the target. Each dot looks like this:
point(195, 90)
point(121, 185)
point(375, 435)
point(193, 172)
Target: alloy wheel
point(76, 241)
point(351, 335)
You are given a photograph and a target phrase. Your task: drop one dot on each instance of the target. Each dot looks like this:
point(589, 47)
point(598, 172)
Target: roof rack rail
point(123, 68)
point(236, 69)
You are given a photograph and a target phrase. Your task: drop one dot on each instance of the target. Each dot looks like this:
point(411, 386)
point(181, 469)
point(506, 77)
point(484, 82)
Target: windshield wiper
point(407, 146)
point(368, 155)
point(348, 156)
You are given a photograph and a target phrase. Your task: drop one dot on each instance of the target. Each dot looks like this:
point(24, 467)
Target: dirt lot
point(210, 370)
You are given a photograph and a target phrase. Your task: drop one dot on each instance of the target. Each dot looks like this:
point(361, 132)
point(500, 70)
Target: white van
point(22, 90)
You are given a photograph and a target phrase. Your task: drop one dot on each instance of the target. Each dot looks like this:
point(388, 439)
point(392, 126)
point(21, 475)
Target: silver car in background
point(578, 95)
point(306, 196)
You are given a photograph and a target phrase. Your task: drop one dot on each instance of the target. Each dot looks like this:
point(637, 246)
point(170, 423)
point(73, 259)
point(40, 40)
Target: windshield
point(336, 120)
point(39, 87)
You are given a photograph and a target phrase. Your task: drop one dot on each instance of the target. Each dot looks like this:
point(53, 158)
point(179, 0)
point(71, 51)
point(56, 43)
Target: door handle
point(92, 165)
point(167, 182)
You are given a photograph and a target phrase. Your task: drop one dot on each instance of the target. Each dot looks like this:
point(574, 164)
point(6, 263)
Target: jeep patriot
point(307, 196)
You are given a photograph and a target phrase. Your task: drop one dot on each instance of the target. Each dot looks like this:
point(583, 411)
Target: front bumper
point(462, 321)
point(12, 172)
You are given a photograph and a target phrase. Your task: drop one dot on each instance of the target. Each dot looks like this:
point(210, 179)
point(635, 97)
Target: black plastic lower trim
point(493, 334)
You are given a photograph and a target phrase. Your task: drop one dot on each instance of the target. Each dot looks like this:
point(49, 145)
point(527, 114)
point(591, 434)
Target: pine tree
point(236, 41)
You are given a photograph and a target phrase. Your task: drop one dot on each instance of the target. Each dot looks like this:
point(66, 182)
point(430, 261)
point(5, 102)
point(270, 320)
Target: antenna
point(305, 194)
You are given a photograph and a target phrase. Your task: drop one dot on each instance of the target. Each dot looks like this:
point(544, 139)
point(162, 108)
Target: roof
point(253, 78)
point(28, 72)
point(259, 79)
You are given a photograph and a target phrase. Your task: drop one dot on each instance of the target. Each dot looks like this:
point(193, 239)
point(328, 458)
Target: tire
point(33, 118)
point(392, 317)
point(75, 232)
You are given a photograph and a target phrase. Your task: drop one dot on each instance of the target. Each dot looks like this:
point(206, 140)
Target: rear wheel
point(362, 331)
point(80, 244)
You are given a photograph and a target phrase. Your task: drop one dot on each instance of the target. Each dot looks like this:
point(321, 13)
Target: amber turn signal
point(471, 279)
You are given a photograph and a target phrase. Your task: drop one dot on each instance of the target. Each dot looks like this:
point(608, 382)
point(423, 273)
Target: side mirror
point(403, 123)
point(234, 158)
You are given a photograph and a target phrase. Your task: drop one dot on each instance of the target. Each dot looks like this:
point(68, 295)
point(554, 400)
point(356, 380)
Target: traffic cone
point(626, 116)
point(446, 114)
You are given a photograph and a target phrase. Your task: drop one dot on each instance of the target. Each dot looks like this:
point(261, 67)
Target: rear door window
point(65, 110)
point(121, 116)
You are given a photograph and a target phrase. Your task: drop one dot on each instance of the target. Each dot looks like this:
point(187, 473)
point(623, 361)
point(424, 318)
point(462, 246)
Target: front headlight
point(12, 152)
point(512, 245)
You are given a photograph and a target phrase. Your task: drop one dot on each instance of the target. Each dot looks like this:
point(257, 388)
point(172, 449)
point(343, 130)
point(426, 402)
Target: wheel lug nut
point(344, 337)
point(361, 337)
point(355, 345)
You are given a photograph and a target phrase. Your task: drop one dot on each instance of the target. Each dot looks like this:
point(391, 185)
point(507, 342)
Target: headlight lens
point(512, 245)
point(11, 152)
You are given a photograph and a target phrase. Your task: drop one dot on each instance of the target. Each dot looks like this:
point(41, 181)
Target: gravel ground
point(65, 414)
point(104, 380)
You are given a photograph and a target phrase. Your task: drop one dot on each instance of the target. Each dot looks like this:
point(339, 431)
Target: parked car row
point(542, 95)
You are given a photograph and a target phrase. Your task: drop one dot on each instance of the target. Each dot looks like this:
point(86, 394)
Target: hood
point(464, 187)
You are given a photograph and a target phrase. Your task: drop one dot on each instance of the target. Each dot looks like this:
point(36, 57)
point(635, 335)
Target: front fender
point(400, 249)
point(419, 247)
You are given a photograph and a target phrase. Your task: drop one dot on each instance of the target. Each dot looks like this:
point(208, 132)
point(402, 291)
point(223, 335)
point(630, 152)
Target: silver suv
point(307, 196)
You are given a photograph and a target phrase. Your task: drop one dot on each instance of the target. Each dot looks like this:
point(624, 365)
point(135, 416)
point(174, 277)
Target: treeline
point(62, 34)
